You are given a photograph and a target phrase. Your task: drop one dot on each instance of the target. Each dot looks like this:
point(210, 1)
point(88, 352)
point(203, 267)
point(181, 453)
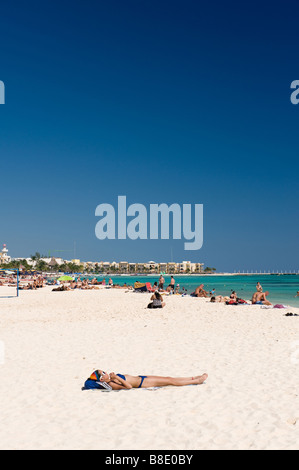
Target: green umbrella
point(65, 278)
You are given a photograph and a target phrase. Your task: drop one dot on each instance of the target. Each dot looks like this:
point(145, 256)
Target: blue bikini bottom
point(141, 376)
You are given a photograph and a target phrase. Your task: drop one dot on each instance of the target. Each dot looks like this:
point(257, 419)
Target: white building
point(4, 257)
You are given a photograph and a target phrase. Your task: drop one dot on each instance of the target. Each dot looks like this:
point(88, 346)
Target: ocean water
point(282, 288)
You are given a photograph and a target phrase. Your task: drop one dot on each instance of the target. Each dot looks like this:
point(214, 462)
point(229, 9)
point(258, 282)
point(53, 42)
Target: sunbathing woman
point(101, 380)
point(61, 288)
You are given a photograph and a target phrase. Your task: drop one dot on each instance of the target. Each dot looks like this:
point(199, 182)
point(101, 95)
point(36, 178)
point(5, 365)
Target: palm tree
point(35, 258)
point(41, 265)
point(210, 270)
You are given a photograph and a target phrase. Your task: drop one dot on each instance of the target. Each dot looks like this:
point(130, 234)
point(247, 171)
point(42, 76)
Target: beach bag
point(140, 287)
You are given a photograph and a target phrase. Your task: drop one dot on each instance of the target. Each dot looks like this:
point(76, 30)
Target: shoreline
point(282, 289)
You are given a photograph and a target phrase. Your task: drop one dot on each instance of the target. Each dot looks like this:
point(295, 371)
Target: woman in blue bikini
point(101, 380)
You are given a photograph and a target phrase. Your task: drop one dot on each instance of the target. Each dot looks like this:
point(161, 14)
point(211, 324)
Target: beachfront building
point(197, 268)
point(186, 267)
point(105, 265)
point(124, 267)
point(152, 267)
point(77, 262)
point(90, 266)
point(132, 268)
point(4, 257)
point(163, 267)
point(140, 268)
point(114, 266)
point(172, 268)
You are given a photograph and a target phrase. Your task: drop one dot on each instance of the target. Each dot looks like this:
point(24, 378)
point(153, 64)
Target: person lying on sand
point(61, 288)
point(125, 286)
point(101, 380)
point(260, 298)
point(218, 298)
point(27, 287)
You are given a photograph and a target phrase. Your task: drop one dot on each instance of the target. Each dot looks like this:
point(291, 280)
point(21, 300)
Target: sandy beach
point(52, 341)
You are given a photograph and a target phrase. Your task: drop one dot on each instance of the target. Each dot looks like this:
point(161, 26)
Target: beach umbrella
point(65, 278)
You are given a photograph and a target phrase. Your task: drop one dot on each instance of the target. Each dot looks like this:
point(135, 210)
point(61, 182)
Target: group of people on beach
point(258, 298)
point(159, 290)
point(86, 284)
point(37, 282)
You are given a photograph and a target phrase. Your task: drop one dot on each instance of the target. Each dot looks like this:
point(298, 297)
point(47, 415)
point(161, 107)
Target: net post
point(17, 283)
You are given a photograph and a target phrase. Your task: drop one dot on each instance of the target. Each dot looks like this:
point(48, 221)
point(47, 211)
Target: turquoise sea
point(282, 288)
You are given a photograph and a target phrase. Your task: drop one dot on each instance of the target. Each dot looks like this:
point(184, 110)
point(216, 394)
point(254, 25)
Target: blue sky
point(164, 102)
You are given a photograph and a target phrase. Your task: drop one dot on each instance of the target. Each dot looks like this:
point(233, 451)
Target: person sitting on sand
point(260, 298)
point(157, 301)
point(200, 292)
point(233, 296)
point(102, 381)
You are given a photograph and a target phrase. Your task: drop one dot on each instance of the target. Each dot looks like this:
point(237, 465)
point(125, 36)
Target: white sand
point(54, 340)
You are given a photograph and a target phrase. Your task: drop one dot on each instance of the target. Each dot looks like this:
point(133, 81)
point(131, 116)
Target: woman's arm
point(117, 383)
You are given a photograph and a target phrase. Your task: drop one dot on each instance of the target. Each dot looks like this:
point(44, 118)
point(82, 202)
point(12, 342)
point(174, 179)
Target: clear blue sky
point(161, 101)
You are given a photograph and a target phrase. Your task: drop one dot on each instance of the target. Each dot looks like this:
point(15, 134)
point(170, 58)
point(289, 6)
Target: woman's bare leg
point(157, 381)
